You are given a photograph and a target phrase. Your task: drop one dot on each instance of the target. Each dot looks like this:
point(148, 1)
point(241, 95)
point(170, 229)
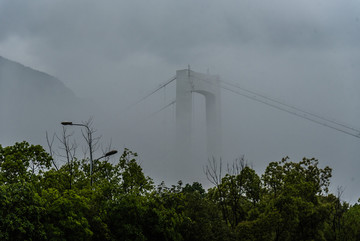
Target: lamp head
point(110, 153)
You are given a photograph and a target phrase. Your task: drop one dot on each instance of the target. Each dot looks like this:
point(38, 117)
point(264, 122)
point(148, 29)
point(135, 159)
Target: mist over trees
point(58, 195)
point(303, 54)
point(289, 201)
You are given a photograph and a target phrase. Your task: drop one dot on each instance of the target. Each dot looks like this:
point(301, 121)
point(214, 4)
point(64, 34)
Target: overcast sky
point(305, 53)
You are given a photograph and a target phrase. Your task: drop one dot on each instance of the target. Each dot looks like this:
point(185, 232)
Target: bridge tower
point(187, 82)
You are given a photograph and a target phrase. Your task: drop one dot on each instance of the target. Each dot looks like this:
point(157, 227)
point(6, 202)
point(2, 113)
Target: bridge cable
point(160, 86)
point(292, 107)
point(304, 115)
point(163, 108)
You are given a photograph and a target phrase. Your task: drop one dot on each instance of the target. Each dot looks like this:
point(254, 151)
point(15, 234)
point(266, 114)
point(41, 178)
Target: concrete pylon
point(187, 82)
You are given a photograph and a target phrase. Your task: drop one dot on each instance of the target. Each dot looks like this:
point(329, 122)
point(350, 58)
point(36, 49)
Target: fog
point(113, 53)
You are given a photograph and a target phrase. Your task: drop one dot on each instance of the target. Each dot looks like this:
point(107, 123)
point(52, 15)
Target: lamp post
point(110, 153)
point(89, 141)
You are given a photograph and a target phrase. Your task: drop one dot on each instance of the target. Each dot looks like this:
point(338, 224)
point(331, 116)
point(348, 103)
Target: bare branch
point(212, 173)
point(51, 151)
point(106, 150)
point(237, 166)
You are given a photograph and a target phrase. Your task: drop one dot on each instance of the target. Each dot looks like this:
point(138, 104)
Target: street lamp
point(89, 141)
point(66, 123)
point(110, 153)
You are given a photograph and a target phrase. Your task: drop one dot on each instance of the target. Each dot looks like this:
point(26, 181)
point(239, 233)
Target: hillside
point(32, 102)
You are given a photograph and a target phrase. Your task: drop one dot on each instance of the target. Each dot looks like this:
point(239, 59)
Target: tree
point(293, 191)
point(21, 212)
point(351, 229)
point(66, 215)
point(203, 220)
point(22, 161)
point(289, 202)
point(237, 192)
point(70, 150)
point(133, 178)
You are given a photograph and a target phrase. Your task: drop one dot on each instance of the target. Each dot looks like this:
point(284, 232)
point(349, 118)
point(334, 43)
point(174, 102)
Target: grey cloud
point(302, 52)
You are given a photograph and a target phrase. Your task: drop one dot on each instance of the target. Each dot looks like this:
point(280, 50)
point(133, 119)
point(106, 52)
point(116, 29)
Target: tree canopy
point(289, 201)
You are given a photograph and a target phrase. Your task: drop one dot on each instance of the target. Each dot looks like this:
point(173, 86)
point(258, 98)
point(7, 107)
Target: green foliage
point(290, 201)
point(203, 219)
point(133, 178)
point(66, 215)
point(303, 179)
point(351, 226)
point(21, 212)
point(237, 195)
point(292, 190)
point(22, 161)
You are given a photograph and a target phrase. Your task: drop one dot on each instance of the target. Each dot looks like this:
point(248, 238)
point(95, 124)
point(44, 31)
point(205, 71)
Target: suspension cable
point(303, 115)
point(288, 108)
point(160, 86)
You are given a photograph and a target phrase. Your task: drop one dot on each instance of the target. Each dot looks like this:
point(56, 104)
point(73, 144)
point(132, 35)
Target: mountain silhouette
point(32, 102)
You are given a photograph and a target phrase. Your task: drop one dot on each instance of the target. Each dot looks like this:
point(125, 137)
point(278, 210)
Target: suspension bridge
point(210, 86)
